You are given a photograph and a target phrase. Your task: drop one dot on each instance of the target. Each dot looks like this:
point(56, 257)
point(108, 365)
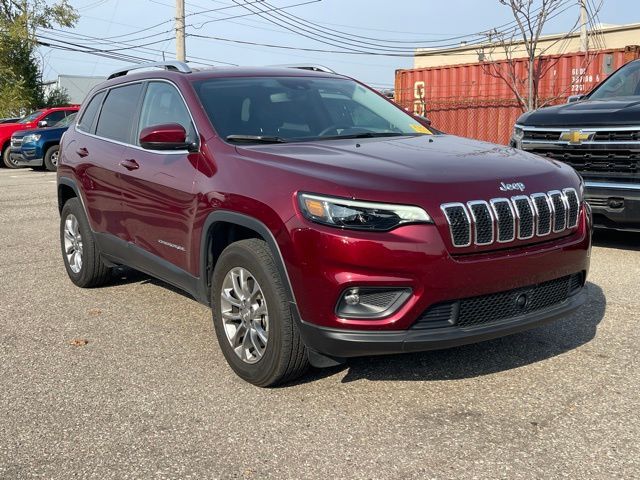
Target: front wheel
point(6, 158)
point(252, 319)
point(51, 158)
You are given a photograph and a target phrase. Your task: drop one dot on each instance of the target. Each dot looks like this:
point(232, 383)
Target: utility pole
point(584, 39)
point(181, 54)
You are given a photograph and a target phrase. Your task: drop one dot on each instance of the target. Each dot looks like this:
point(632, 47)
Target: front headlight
point(517, 136)
point(34, 137)
point(357, 215)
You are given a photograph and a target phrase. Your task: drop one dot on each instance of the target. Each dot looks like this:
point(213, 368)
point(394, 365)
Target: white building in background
point(76, 86)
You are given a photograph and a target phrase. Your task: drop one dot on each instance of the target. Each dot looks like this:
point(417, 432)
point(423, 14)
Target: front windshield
point(31, 117)
point(300, 108)
point(65, 122)
point(623, 83)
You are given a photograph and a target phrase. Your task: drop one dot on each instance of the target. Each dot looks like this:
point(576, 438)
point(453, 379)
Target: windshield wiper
point(256, 139)
point(366, 135)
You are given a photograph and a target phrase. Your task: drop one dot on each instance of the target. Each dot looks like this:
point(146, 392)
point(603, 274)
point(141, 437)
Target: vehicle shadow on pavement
point(615, 239)
point(126, 275)
point(482, 358)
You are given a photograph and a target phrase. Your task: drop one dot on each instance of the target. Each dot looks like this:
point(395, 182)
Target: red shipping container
point(469, 101)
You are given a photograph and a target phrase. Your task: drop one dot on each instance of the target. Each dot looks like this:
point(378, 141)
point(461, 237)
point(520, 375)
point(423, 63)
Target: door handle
point(82, 152)
point(130, 164)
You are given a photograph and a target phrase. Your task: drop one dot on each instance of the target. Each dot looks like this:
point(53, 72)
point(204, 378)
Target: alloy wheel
point(73, 243)
point(244, 314)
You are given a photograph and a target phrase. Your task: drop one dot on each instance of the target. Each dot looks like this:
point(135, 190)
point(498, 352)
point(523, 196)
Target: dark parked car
point(318, 219)
point(37, 148)
point(599, 135)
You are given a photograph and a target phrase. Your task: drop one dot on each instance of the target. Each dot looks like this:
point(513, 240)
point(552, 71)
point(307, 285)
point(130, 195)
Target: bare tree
point(524, 42)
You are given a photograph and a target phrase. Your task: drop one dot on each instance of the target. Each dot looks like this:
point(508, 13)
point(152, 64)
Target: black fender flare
point(68, 182)
point(251, 223)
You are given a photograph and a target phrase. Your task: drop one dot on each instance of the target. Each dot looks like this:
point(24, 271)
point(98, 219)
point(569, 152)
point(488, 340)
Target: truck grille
point(501, 220)
point(600, 151)
point(631, 134)
point(16, 142)
point(595, 161)
point(487, 309)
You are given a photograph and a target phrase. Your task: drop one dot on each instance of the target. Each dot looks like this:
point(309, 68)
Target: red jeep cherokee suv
point(316, 218)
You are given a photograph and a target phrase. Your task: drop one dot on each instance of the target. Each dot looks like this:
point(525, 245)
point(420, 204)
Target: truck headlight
point(357, 215)
point(517, 136)
point(34, 137)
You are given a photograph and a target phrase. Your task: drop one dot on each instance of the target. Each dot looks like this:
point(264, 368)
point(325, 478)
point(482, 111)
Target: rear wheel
point(252, 319)
point(6, 158)
point(80, 252)
point(51, 158)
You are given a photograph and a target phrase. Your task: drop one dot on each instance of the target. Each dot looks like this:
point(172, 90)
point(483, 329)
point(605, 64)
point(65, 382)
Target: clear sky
point(382, 21)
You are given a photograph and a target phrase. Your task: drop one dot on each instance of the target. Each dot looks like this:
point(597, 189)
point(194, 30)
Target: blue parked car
point(35, 148)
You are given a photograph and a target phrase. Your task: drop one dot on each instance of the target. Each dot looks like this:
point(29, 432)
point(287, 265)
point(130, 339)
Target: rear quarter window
point(87, 121)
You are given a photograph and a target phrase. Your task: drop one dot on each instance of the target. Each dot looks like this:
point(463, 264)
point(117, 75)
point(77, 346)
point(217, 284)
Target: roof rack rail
point(308, 66)
point(174, 66)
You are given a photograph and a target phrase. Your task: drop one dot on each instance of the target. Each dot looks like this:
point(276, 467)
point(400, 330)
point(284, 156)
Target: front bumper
point(327, 263)
point(23, 161)
point(615, 205)
point(339, 343)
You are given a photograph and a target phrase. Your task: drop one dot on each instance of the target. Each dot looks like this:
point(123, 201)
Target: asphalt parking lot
point(127, 381)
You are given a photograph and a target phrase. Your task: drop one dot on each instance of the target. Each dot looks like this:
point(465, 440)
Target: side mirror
point(575, 98)
point(168, 136)
point(43, 124)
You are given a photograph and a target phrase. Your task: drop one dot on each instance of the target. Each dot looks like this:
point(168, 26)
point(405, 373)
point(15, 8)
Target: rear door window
point(118, 113)
point(87, 121)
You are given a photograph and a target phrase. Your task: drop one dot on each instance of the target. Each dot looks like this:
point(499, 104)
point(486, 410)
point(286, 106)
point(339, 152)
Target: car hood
point(589, 113)
point(48, 132)
point(440, 167)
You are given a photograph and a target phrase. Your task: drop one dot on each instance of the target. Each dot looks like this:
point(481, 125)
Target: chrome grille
point(483, 220)
point(573, 206)
point(459, 223)
point(505, 219)
point(542, 207)
point(502, 220)
point(16, 142)
point(525, 216)
point(559, 211)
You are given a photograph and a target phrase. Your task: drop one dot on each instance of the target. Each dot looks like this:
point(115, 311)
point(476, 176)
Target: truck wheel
point(79, 250)
point(51, 158)
point(6, 158)
point(251, 316)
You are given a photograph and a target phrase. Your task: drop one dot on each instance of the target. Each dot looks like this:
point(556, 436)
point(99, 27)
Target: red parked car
point(38, 119)
point(318, 220)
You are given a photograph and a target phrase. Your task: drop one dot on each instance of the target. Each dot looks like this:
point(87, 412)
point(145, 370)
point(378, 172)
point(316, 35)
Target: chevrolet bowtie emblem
point(576, 137)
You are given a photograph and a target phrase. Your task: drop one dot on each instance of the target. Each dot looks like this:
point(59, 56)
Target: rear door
point(100, 149)
point(157, 186)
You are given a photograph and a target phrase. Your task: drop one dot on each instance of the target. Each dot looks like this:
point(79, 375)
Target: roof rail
point(174, 66)
point(307, 66)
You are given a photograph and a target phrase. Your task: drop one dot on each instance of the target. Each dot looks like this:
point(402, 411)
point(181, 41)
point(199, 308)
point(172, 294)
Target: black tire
point(92, 272)
point(6, 158)
point(285, 356)
point(50, 158)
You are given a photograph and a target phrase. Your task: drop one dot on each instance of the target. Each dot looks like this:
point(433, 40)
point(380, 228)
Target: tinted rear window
point(88, 117)
point(118, 111)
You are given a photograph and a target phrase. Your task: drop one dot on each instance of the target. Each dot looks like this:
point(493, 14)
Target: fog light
point(371, 302)
point(352, 297)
